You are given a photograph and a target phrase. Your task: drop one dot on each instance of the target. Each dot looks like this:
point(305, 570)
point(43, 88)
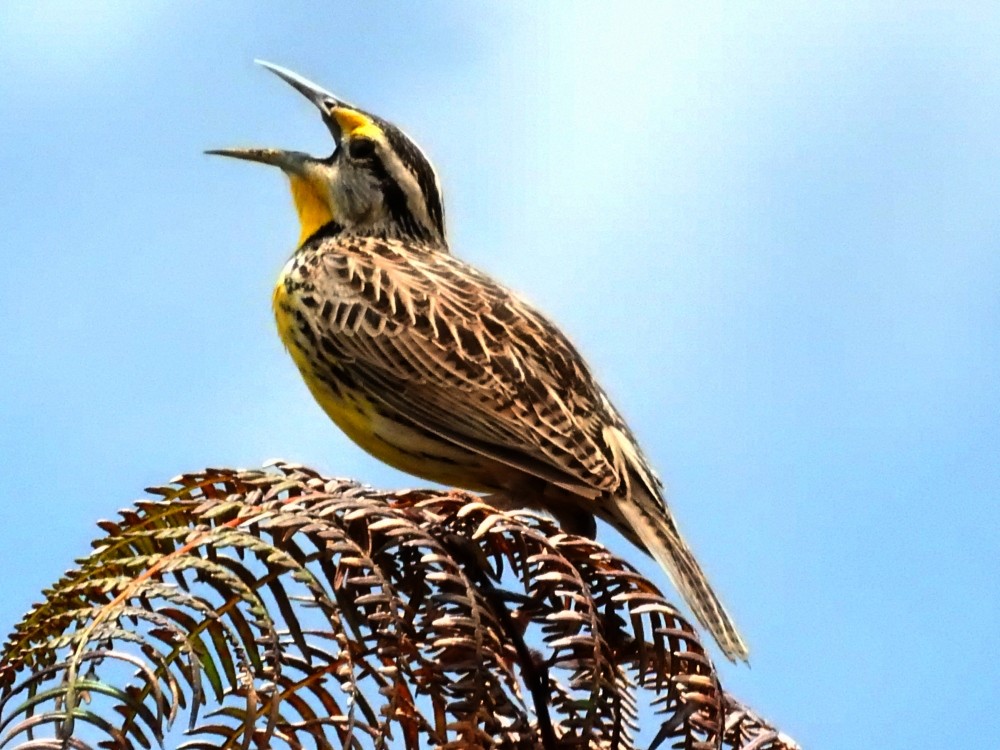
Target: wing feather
point(468, 360)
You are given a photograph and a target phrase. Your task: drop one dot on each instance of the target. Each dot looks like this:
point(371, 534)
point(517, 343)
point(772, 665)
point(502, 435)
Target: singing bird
point(438, 370)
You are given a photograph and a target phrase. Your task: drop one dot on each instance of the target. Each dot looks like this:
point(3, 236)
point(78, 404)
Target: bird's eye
point(361, 148)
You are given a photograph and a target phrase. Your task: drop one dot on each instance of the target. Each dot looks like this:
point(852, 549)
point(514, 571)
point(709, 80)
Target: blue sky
point(773, 230)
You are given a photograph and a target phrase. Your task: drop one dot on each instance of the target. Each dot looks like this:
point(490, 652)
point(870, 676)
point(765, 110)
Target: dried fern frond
point(308, 611)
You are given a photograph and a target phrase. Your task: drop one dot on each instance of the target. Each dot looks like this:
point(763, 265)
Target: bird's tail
point(651, 526)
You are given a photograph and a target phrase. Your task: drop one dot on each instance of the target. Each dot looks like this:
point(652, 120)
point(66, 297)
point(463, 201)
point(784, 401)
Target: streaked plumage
point(437, 369)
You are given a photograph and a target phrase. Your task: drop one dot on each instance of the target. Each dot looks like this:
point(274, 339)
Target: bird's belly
point(385, 435)
point(399, 443)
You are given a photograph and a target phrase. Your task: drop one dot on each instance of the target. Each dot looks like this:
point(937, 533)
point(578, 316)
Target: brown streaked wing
point(466, 359)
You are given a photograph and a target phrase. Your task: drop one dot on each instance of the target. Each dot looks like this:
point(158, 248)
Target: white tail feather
point(641, 514)
point(650, 522)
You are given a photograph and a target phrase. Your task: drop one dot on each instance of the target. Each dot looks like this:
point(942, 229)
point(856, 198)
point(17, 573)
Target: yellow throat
point(312, 206)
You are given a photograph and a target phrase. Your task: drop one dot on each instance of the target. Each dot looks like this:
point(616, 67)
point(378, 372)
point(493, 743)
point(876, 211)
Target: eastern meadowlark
point(438, 370)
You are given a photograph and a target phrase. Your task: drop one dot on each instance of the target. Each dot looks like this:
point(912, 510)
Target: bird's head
point(377, 181)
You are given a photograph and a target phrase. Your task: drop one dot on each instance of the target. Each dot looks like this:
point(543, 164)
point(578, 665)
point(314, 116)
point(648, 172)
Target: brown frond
point(286, 608)
point(746, 730)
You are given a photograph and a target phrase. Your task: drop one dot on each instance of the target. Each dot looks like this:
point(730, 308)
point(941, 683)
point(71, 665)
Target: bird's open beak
point(291, 161)
point(325, 102)
point(288, 161)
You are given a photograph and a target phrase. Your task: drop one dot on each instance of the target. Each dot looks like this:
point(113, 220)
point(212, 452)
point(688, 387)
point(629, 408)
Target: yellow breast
point(351, 411)
point(369, 424)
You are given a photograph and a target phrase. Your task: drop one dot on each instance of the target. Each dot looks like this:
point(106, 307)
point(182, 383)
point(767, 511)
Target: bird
point(438, 370)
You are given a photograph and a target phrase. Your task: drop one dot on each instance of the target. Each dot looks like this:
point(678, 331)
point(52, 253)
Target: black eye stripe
point(398, 147)
point(395, 199)
point(416, 163)
point(361, 148)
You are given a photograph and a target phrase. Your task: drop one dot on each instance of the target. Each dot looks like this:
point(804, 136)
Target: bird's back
point(415, 332)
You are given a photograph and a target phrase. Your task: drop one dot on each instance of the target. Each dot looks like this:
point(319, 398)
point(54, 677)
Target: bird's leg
point(518, 494)
point(505, 501)
point(574, 520)
point(537, 494)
